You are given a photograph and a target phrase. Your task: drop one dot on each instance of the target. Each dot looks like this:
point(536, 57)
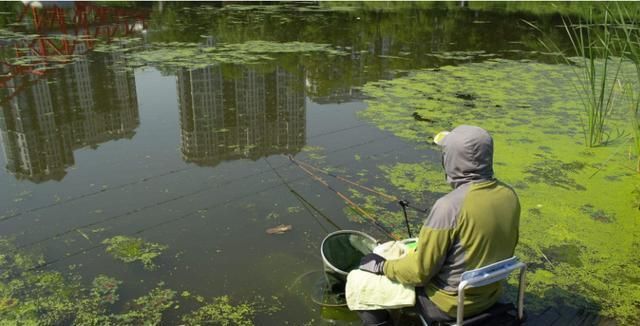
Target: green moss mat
point(580, 216)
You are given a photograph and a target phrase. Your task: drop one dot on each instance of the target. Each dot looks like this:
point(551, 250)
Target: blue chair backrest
point(490, 273)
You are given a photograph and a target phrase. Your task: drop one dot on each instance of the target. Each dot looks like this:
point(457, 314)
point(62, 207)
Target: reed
point(597, 69)
point(628, 36)
point(596, 66)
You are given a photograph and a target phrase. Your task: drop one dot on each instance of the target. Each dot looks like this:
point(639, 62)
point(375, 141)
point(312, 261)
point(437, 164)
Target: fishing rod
point(305, 203)
point(137, 210)
point(346, 199)
point(377, 192)
point(404, 204)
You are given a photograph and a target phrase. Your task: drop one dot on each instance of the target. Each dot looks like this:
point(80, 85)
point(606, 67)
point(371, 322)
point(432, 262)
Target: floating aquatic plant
point(554, 172)
point(636, 198)
point(221, 311)
point(148, 309)
point(194, 56)
point(29, 296)
point(129, 249)
point(597, 214)
point(416, 178)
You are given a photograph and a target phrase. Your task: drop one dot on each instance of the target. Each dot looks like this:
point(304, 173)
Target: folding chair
point(489, 274)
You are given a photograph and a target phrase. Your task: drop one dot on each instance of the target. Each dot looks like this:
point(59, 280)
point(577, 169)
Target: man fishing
point(474, 225)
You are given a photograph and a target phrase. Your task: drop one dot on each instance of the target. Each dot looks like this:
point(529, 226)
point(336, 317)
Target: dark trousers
point(375, 317)
point(429, 311)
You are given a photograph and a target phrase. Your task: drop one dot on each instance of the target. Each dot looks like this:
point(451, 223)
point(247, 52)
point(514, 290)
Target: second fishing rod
point(404, 204)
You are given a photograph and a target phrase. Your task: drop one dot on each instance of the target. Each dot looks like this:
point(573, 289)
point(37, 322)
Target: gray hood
point(468, 155)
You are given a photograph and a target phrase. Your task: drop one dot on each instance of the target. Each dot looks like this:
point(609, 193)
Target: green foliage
point(129, 249)
point(580, 9)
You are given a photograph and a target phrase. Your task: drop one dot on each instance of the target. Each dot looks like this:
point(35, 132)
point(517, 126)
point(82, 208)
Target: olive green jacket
point(474, 225)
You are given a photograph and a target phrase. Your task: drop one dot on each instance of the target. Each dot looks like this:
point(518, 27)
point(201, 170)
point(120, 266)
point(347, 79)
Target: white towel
point(367, 291)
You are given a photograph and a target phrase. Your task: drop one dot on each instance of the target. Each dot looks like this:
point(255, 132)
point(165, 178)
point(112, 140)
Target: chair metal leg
point(521, 287)
point(460, 310)
point(422, 321)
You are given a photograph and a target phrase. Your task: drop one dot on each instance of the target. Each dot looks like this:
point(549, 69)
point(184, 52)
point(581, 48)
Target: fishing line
point(160, 203)
point(305, 202)
point(403, 203)
point(72, 199)
point(171, 220)
point(349, 202)
point(27, 211)
point(299, 198)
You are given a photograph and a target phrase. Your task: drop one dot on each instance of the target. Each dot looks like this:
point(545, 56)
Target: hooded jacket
point(474, 225)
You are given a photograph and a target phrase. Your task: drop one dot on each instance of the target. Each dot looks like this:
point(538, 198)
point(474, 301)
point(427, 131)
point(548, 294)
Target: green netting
point(344, 250)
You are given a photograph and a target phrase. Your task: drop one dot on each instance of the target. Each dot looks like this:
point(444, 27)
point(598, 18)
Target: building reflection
point(84, 103)
point(251, 114)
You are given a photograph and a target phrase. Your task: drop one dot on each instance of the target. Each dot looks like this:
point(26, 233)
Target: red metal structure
point(59, 27)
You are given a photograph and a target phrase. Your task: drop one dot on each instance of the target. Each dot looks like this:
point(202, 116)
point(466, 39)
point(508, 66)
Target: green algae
point(460, 55)
point(29, 296)
point(554, 172)
point(315, 153)
point(579, 215)
point(129, 249)
point(415, 178)
point(195, 56)
point(635, 201)
point(378, 208)
point(222, 311)
point(148, 309)
point(294, 209)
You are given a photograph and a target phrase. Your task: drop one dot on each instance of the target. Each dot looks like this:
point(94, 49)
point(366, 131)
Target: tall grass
point(597, 68)
point(628, 36)
point(594, 44)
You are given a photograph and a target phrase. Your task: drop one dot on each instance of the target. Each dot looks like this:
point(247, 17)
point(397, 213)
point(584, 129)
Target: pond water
point(149, 145)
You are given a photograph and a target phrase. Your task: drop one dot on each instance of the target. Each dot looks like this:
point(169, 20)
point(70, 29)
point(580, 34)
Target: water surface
point(192, 152)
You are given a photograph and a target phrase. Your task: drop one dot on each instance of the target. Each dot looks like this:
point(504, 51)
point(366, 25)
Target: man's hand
point(372, 263)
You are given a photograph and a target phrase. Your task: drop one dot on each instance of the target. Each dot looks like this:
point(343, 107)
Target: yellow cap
point(439, 137)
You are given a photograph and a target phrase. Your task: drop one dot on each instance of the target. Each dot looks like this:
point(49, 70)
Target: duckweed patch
point(597, 214)
point(129, 249)
point(572, 213)
point(29, 296)
point(148, 309)
point(195, 56)
point(636, 198)
point(554, 172)
point(415, 178)
point(222, 311)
